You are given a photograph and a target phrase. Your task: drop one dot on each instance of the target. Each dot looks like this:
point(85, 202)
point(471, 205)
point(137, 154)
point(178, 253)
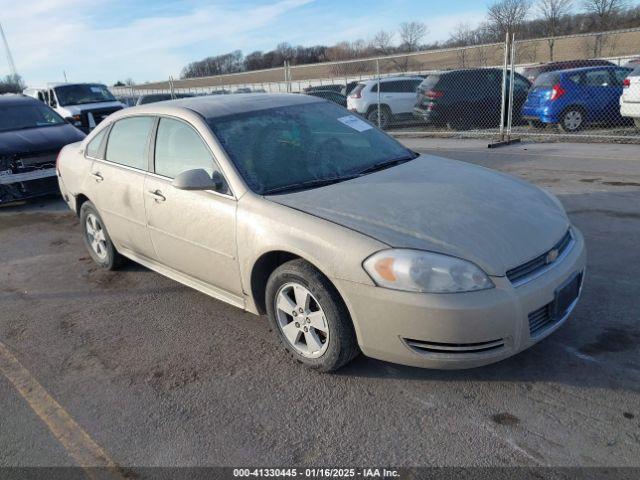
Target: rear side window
point(94, 149)
point(547, 80)
point(128, 142)
point(180, 148)
point(389, 87)
point(597, 78)
point(619, 74)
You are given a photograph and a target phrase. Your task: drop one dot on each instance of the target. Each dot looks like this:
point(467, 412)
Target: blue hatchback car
point(576, 97)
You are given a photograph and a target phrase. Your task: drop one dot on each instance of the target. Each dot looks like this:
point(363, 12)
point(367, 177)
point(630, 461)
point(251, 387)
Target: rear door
point(600, 94)
point(193, 232)
point(117, 183)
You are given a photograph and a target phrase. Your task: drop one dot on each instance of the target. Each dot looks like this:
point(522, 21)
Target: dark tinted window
point(128, 142)
point(27, 115)
point(597, 78)
point(180, 148)
point(619, 74)
point(429, 82)
point(389, 87)
point(94, 147)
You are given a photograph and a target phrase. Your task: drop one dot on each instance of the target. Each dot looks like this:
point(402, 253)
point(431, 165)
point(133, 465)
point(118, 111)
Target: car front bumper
point(459, 330)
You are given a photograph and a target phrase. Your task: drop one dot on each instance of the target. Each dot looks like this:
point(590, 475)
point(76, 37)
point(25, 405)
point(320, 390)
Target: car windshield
point(31, 115)
point(84, 93)
point(287, 148)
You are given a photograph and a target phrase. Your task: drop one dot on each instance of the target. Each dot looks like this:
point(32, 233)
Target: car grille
point(541, 319)
point(454, 348)
point(522, 273)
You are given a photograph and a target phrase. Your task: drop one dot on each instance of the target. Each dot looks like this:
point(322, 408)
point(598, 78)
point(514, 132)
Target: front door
point(118, 180)
point(193, 232)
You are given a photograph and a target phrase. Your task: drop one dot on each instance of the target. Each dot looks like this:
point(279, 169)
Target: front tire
point(96, 238)
point(309, 317)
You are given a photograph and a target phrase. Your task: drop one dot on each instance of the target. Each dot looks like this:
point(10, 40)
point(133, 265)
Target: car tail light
point(356, 94)
point(626, 83)
point(557, 91)
point(434, 94)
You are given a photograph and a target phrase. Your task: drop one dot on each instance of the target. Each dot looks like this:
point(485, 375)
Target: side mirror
point(199, 179)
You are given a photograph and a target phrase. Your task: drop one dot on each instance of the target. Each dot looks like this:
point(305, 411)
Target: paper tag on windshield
point(355, 123)
point(96, 89)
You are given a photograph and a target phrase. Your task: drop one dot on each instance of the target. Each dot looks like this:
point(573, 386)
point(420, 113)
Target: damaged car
point(31, 136)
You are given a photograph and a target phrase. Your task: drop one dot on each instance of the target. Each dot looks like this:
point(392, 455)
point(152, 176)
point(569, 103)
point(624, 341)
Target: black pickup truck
point(31, 136)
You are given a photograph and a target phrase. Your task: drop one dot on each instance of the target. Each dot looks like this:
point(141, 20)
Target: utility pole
point(12, 65)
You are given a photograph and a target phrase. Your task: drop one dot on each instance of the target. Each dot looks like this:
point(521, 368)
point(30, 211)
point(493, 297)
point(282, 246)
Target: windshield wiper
point(389, 163)
point(309, 184)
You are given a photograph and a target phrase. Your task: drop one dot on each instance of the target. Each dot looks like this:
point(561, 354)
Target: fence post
point(511, 81)
point(378, 76)
point(504, 86)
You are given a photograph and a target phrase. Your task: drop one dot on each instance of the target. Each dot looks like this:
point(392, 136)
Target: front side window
point(83, 93)
point(27, 115)
point(302, 144)
point(180, 148)
point(94, 148)
point(128, 142)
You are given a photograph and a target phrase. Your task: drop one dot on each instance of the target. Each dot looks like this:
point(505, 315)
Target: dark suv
point(462, 99)
point(531, 73)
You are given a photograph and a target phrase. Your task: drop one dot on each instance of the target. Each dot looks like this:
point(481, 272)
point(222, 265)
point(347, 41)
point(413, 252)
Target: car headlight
point(418, 271)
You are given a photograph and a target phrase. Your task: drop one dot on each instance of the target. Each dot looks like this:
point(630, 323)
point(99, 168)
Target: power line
point(12, 65)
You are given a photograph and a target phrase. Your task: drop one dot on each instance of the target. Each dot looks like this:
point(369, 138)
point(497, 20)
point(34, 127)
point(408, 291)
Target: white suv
point(397, 99)
point(630, 98)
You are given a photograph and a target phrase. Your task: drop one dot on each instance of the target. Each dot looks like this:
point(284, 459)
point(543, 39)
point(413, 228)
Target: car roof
point(391, 79)
point(584, 69)
point(214, 106)
point(13, 99)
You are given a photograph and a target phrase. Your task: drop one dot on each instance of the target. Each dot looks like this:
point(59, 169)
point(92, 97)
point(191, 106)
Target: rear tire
point(385, 117)
point(309, 317)
point(572, 120)
point(96, 238)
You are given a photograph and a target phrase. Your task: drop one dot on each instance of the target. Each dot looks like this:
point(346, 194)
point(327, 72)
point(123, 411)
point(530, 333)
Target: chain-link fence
point(554, 87)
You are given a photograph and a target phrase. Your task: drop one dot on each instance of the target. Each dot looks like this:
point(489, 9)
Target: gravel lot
point(159, 374)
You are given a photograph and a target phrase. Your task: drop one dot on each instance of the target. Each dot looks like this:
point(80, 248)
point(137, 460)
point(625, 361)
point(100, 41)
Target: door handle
point(97, 176)
point(157, 195)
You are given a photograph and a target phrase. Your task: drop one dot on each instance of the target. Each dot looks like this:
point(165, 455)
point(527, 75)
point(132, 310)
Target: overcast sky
point(148, 40)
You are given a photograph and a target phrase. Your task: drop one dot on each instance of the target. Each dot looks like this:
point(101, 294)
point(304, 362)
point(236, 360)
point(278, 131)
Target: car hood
point(78, 109)
point(441, 205)
point(34, 140)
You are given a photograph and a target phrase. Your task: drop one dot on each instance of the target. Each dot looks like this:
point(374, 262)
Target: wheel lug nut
point(308, 320)
point(294, 313)
point(306, 329)
point(297, 325)
point(300, 310)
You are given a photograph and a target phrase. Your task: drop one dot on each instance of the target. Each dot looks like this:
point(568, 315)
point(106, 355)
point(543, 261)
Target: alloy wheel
point(96, 236)
point(301, 320)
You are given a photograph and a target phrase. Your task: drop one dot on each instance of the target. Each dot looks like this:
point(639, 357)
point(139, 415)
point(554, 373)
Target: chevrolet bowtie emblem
point(551, 256)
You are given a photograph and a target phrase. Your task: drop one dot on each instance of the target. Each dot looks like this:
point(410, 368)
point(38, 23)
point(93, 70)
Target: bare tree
point(604, 14)
point(552, 12)
point(507, 16)
point(382, 42)
point(604, 11)
point(411, 34)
